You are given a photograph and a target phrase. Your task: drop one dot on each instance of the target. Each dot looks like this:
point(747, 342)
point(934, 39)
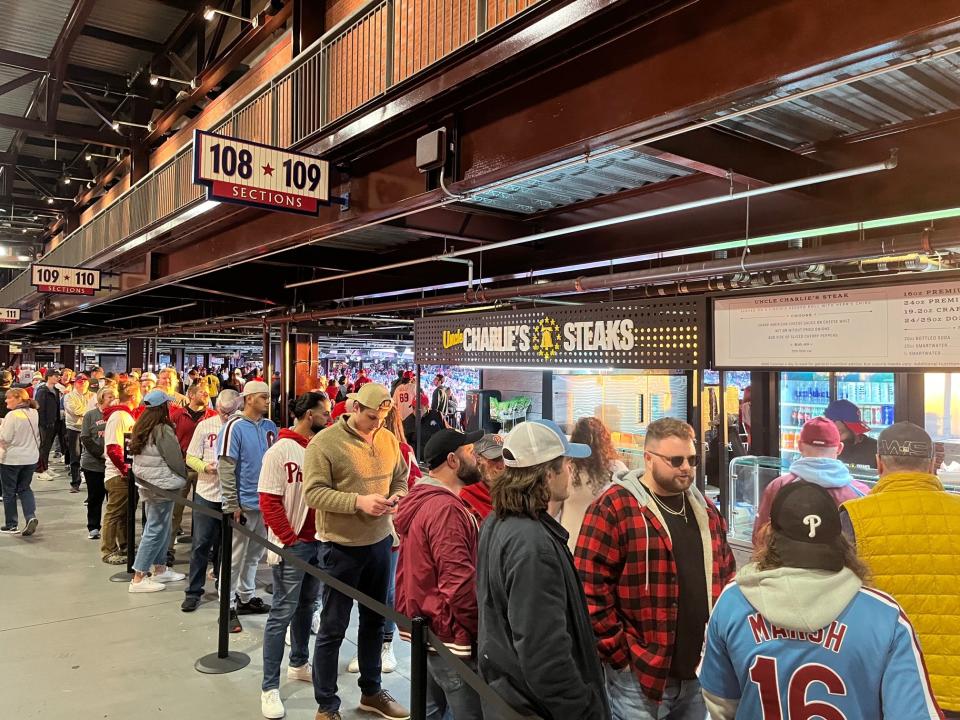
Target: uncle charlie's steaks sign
point(664, 333)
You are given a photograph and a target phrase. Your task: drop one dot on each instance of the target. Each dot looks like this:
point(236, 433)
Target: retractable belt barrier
point(419, 630)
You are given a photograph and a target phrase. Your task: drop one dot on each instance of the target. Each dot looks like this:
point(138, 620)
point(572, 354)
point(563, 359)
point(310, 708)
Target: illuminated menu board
point(908, 326)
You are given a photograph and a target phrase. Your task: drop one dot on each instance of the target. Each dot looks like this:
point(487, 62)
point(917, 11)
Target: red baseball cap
point(408, 374)
point(820, 432)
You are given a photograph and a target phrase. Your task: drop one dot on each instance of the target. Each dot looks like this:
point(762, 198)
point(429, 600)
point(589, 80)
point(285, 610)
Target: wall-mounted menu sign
point(905, 326)
point(663, 333)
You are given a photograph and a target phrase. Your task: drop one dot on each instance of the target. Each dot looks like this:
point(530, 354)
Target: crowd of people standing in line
point(576, 588)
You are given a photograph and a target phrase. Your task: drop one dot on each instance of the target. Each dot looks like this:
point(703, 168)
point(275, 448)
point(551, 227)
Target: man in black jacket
point(536, 645)
point(47, 397)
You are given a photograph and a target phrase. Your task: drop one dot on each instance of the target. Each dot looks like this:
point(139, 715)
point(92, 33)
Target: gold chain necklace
point(682, 512)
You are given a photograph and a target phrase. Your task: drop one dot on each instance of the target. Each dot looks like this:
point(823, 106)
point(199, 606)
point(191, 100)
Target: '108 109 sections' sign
point(663, 333)
point(247, 173)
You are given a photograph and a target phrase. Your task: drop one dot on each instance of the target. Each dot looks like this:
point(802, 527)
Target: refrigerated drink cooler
point(805, 395)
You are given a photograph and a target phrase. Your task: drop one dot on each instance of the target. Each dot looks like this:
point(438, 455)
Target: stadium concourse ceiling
point(555, 161)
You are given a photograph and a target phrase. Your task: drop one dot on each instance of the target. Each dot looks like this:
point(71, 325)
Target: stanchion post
point(125, 575)
point(418, 669)
point(224, 660)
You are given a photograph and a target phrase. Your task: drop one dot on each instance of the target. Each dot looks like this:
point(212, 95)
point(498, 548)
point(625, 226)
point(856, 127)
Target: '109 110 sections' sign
point(263, 176)
point(662, 333)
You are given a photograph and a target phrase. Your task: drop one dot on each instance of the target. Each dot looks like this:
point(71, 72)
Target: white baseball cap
point(538, 441)
point(253, 387)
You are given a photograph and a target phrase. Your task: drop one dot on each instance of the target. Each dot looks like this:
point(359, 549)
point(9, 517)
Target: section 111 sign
point(247, 173)
point(64, 280)
point(9, 316)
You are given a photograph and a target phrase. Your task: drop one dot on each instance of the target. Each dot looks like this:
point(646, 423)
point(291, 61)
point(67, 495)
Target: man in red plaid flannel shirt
point(653, 557)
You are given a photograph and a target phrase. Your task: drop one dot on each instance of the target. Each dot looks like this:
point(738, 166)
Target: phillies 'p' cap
point(371, 395)
point(904, 439)
point(255, 387)
point(820, 432)
point(538, 441)
point(849, 414)
point(806, 526)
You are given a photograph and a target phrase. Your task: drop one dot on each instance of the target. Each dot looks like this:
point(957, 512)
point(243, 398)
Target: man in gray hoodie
point(820, 447)
point(798, 635)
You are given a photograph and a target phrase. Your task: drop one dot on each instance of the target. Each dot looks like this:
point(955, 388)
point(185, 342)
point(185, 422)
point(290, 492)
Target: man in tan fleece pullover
point(354, 476)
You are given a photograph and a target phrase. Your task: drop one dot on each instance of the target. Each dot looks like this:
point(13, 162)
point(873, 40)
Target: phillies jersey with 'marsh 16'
point(865, 665)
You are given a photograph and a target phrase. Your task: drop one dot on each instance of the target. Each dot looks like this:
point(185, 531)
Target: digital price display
point(64, 280)
point(258, 175)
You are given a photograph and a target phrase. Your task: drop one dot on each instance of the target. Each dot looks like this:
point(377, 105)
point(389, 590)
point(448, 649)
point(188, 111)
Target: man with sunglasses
point(354, 476)
point(653, 557)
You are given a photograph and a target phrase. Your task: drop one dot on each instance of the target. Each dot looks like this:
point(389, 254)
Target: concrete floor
point(74, 646)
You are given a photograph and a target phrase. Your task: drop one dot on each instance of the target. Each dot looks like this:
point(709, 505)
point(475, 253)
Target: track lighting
point(156, 79)
point(117, 124)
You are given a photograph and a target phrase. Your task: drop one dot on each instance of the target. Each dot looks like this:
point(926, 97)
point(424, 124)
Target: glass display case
point(750, 475)
point(626, 401)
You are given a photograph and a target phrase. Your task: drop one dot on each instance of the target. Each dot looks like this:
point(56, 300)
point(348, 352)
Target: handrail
point(350, 67)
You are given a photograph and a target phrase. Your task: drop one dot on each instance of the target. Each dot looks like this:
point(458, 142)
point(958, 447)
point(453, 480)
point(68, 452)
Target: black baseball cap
point(806, 525)
point(443, 442)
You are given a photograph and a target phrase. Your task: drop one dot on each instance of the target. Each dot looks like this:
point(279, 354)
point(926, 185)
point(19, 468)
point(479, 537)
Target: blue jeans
point(205, 536)
point(15, 480)
point(156, 536)
point(366, 568)
point(682, 699)
point(448, 696)
point(294, 594)
point(389, 626)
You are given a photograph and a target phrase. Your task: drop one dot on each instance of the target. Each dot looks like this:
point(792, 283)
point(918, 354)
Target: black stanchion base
point(213, 664)
point(121, 577)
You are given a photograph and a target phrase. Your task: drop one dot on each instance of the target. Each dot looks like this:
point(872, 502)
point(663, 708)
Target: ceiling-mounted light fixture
point(91, 155)
point(49, 201)
point(155, 80)
point(117, 124)
point(209, 13)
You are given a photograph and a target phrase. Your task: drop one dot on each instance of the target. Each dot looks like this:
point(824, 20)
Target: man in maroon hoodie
point(437, 567)
point(185, 421)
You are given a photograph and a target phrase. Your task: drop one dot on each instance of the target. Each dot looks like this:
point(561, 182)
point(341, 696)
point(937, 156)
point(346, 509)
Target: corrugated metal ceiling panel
point(911, 93)
point(102, 55)
point(32, 26)
point(147, 19)
point(610, 174)
point(14, 102)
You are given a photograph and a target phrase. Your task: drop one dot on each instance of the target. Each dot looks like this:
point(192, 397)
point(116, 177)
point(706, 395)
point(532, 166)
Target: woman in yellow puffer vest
point(907, 530)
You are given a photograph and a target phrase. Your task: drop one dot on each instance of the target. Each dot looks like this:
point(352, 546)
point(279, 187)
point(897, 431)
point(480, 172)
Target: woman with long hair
point(590, 476)
point(158, 460)
point(20, 445)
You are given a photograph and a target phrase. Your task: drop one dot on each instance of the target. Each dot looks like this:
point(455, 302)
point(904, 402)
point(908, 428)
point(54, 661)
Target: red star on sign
point(267, 170)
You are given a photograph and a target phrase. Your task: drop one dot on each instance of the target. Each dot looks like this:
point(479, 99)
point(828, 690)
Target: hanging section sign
point(263, 176)
point(9, 316)
point(663, 333)
point(903, 326)
point(64, 280)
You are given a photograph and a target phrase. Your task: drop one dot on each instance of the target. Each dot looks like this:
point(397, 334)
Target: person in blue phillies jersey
point(243, 441)
point(798, 635)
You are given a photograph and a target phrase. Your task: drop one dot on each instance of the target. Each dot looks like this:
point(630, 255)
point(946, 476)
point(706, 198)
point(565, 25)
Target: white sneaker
point(45, 476)
point(94, 534)
point(315, 622)
point(388, 661)
point(304, 672)
point(145, 586)
point(354, 665)
point(270, 704)
point(168, 576)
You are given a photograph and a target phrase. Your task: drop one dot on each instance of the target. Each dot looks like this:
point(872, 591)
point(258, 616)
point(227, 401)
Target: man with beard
point(653, 557)
point(437, 567)
point(489, 452)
